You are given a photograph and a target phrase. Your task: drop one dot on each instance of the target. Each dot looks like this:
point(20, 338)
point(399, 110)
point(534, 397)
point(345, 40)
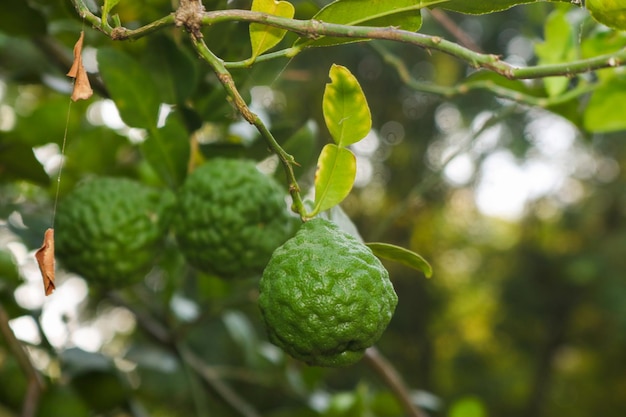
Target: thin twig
point(213, 379)
point(450, 25)
point(35, 382)
point(499, 90)
point(392, 378)
point(162, 335)
point(225, 78)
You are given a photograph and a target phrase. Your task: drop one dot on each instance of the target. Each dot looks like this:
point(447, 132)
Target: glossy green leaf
point(336, 170)
point(345, 108)
point(485, 6)
point(174, 70)
point(559, 46)
point(611, 13)
point(402, 255)
point(605, 110)
point(264, 37)
point(167, 150)
point(403, 14)
point(132, 89)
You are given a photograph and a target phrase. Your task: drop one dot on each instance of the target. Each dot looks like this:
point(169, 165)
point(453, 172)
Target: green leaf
point(403, 14)
point(17, 161)
point(345, 108)
point(131, 87)
point(9, 274)
point(336, 170)
point(264, 37)
point(174, 70)
point(402, 255)
point(605, 111)
point(559, 46)
point(17, 18)
point(167, 150)
point(484, 6)
point(611, 13)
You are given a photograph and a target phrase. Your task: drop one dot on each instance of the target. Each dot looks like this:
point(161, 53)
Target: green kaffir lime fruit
point(109, 229)
point(230, 217)
point(325, 297)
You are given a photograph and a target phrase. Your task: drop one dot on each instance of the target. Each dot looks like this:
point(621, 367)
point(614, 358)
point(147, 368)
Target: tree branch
point(165, 337)
point(314, 29)
point(225, 78)
point(35, 382)
point(392, 378)
point(464, 88)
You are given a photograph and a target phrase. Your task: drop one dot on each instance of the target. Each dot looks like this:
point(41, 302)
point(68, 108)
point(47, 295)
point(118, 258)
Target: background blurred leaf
point(604, 111)
point(134, 92)
point(173, 68)
point(558, 47)
point(167, 150)
point(18, 18)
point(18, 162)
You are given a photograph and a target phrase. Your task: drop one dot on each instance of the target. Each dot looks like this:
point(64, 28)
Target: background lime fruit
point(109, 229)
point(230, 217)
point(325, 297)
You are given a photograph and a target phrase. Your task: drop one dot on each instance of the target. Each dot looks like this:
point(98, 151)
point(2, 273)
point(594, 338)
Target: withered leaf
point(45, 259)
point(82, 89)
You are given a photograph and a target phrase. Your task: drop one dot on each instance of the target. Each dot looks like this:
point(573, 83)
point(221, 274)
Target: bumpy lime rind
point(230, 217)
point(109, 230)
point(325, 297)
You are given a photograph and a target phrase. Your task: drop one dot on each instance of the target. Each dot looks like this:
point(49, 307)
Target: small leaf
point(264, 37)
point(131, 87)
point(346, 112)
point(336, 170)
point(402, 255)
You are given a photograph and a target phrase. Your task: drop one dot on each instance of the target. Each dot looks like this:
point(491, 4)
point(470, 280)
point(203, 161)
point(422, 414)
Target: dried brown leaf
point(78, 49)
point(45, 259)
point(82, 89)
